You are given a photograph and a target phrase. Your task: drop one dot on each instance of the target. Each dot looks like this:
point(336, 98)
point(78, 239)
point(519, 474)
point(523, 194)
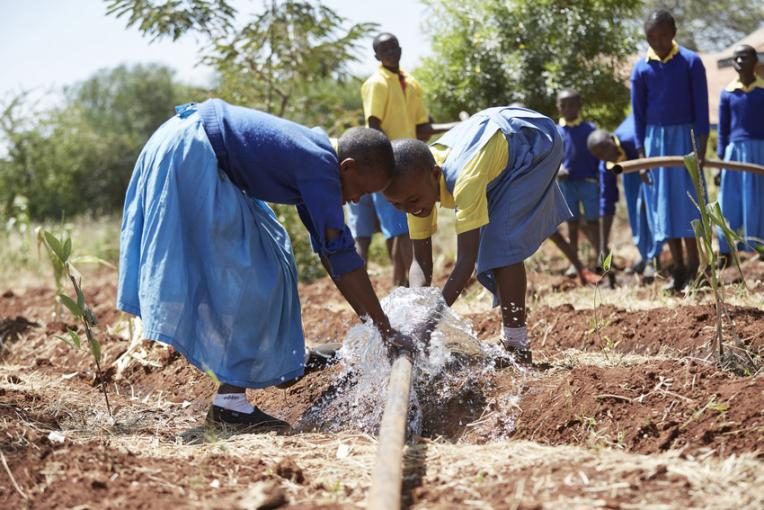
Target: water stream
point(451, 378)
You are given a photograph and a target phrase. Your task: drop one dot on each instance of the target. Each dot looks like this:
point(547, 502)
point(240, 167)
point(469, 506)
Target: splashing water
point(450, 376)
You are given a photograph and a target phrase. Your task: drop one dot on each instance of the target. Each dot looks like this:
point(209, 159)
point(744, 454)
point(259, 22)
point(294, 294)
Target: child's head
point(660, 30)
point(744, 59)
point(387, 50)
point(569, 104)
point(366, 162)
point(602, 146)
point(416, 178)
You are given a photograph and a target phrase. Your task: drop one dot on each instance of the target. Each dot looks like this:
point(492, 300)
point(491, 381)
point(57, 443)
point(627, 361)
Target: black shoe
point(256, 420)
point(316, 358)
point(678, 280)
point(637, 268)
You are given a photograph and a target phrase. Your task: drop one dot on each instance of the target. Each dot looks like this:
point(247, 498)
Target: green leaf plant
point(737, 358)
point(59, 252)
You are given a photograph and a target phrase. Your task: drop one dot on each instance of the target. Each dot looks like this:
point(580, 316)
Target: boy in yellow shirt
point(498, 170)
point(393, 104)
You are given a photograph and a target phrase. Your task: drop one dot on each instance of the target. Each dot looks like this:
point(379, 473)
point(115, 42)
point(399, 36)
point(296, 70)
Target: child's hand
point(718, 178)
point(563, 173)
point(398, 343)
point(644, 175)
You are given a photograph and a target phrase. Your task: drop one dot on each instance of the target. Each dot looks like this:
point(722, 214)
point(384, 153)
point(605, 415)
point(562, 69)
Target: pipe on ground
point(387, 477)
point(635, 165)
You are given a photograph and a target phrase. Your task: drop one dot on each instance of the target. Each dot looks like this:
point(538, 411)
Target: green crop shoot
point(711, 217)
point(59, 252)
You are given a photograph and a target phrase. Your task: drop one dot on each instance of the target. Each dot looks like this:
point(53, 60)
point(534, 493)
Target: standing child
point(393, 104)
point(741, 138)
point(579, 173)
point(612, 148)
point(203, 260)
point(498, 170)
point(669, 98)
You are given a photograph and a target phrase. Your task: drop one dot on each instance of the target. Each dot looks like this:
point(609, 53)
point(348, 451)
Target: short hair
point(369, 147)
point(659, 17)
point(569, 92)
point(746, 48)
point(596, 137)
point(411, 156)
point(378, 40)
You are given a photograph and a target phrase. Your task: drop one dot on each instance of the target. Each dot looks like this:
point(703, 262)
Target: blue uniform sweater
point(576, 156)
point(282, 162)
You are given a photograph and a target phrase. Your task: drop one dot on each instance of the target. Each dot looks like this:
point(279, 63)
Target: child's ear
point(347, 165)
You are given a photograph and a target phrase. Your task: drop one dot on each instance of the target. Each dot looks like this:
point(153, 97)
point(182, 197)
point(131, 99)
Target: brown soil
point(638, 383)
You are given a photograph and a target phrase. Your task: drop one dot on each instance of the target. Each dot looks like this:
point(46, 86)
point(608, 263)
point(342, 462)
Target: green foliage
point(79, 157)
point(60, 251)
point(711, 26)
point(492, 52)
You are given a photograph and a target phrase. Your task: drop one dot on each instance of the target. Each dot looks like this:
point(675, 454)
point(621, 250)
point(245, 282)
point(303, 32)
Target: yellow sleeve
point(420, 112)
point(423, 228)
point(374, 95)
point(470, 189)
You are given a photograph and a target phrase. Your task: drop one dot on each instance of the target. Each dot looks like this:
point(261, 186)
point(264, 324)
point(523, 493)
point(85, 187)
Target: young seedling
point(607, 264)
point(60, 251)
point(710, 217)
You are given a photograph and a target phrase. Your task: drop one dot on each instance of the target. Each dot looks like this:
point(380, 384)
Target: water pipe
point(387, 477)
point(635, 165)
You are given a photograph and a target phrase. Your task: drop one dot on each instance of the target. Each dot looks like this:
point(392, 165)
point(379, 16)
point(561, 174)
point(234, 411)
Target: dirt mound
point(646, 408)
point(686, 329)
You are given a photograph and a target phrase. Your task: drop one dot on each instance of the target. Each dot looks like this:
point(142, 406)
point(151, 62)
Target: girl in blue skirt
point(498, 170)
point(741, 138)
point(669, 98)
point(203, 260)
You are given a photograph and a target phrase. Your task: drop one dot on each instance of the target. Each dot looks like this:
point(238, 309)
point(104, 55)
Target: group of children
point(210, 271)
point(669, 100)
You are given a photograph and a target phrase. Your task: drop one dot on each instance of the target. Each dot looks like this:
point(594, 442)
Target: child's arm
point(420, 273)
point(639, 107)
point(699, 85)
point(467, 244)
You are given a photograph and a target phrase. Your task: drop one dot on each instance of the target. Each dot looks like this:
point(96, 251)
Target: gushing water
point(450, 373)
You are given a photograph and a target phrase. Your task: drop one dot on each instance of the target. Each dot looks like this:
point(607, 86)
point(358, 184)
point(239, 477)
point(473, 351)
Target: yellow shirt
point(738, 85)
point(399, 111)
point(469, 199)
point(651, 55)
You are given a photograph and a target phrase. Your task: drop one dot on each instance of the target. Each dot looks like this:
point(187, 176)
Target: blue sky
point(45, 44)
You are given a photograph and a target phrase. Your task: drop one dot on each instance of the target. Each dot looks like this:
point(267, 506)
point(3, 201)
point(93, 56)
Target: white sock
point(515, 337)
point(233, 402)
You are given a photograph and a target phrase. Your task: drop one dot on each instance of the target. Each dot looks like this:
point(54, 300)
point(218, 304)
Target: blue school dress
point(203, 260)
point(525, 204)
point(669, 99)
point(741, 138)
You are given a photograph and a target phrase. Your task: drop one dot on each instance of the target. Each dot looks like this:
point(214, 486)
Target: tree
point(279, 61)
point(711, 26)
point(494, 52)
point(79, 157)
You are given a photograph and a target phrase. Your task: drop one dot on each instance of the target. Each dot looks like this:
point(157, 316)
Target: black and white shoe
point(256, 420)
point(316, 358)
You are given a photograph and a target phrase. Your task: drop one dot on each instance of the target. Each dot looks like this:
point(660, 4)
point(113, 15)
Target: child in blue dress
point(498, 170)
point(669, 98)
point(741, 138)
point(203, 260)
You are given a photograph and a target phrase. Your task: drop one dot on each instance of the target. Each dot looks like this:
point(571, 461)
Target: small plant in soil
point(60, 251)
point(738, 358)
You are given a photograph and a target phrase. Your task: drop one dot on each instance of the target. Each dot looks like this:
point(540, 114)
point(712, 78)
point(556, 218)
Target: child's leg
point(401, 256)
point(693, 260)
point(362, 247)
point(677, 254)
point(573, 235)
point(512, 284)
